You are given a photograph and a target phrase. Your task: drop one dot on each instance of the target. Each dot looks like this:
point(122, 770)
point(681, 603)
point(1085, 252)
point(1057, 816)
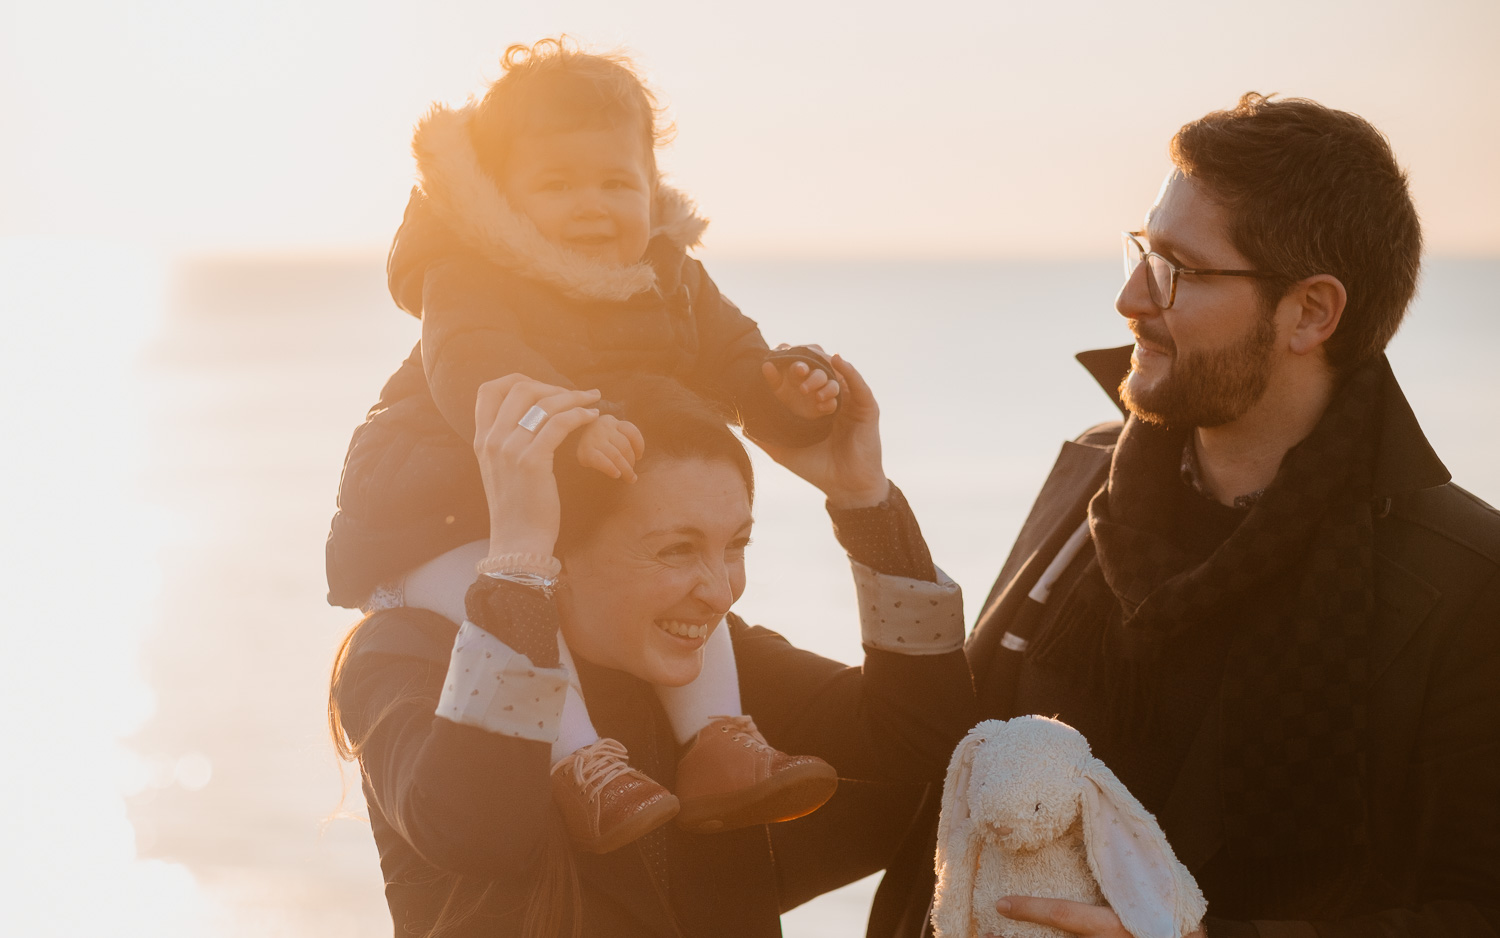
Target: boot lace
point(743, 728)
point(600, 764)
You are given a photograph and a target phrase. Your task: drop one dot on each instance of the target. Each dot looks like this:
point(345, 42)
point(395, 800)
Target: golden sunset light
point(203, 304)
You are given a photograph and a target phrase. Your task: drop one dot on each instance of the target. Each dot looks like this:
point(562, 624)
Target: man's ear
point(1319, 301)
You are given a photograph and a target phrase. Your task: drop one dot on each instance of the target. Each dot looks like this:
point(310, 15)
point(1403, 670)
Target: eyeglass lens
point(1158, 271)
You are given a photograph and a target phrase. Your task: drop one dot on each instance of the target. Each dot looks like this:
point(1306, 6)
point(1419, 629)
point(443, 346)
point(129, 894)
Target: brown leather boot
point(604, 802)
point(730, 777)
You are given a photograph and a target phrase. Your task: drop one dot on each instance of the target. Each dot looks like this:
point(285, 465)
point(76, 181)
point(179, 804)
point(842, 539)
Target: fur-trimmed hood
point(469, 203)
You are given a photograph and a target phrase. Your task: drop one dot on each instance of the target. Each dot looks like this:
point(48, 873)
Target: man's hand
point(806, 391)
point(612, 446)
point(1075, 918)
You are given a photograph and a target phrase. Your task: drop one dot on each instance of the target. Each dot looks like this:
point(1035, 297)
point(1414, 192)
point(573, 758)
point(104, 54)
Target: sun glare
point(79, 570)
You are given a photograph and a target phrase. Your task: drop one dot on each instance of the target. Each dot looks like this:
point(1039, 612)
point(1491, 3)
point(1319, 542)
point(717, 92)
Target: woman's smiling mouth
point(688, 630)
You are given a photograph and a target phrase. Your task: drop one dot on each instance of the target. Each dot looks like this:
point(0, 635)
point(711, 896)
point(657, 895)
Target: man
point(1273, 615)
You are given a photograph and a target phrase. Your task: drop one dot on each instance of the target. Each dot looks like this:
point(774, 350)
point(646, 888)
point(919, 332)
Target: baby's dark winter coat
point(495, 299)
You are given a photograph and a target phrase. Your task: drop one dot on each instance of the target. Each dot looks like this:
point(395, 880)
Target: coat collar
point(465, 199)
point(1404, 460)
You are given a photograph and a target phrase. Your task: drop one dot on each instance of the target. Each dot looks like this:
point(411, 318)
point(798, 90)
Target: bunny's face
point(1025, 786)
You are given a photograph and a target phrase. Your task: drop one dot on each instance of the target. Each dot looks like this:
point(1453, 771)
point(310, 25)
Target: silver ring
point(532, 419)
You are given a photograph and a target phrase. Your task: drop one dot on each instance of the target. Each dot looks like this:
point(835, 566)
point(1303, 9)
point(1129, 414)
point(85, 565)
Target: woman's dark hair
point(552, 86)
point(676, 423)
point(1311, 190)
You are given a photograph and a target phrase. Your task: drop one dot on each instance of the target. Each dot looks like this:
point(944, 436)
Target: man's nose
point(1134, 298)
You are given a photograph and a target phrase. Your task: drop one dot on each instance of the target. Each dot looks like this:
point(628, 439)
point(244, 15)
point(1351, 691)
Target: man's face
point(1209, 358)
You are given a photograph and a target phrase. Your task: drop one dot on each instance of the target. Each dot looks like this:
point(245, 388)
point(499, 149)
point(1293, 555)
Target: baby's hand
point(612, 446)
point(804, 390)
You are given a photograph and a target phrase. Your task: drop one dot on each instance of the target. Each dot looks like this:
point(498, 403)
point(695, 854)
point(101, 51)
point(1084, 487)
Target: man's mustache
point(1154, 334)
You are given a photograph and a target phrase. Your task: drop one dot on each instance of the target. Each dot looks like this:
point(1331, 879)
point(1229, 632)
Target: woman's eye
point(677, 550)
point(555, 185)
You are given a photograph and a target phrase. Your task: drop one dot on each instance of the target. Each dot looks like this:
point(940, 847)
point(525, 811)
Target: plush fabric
point(1028, 811)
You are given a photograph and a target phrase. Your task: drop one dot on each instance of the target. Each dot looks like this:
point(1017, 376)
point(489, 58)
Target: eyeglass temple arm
point(1204, 270)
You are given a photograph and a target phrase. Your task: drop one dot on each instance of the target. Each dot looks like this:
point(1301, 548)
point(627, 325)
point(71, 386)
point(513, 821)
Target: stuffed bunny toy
point(1029, 811)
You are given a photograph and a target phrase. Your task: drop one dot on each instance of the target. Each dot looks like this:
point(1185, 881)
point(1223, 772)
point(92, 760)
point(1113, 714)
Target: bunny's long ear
point(1153, 894)
point(957, 845)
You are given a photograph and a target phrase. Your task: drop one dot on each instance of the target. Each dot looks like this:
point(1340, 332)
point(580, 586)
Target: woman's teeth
point(683, 629)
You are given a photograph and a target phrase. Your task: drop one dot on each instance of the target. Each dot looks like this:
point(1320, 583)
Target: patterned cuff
point(492, 687)
point(884, 536)
point(909, 617)
point(522, 617)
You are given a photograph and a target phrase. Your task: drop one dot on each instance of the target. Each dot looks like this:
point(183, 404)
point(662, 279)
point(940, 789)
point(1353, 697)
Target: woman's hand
point(1075, 918)
point(846, 466)
point(516, 463)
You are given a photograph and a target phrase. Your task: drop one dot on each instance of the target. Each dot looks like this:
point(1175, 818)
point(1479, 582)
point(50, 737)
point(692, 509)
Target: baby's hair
point(553, 86)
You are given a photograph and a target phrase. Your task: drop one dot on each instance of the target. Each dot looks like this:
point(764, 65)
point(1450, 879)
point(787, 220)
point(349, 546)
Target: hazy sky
point(912, 128)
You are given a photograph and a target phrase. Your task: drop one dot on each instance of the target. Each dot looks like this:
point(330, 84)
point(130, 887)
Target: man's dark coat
point(1432, 775)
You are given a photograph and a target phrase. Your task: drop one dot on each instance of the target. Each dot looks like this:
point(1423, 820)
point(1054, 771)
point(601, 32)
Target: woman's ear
point(958, 843)
point(1320, 301)
point(1153, 894)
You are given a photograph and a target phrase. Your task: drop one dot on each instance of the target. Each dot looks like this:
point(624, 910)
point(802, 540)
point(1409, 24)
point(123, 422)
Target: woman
point(451, 726)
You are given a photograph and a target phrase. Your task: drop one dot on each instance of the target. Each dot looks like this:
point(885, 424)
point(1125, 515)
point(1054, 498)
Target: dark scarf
point(1295, 583)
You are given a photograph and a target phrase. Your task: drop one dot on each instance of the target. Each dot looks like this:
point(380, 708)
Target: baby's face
point(586, 190)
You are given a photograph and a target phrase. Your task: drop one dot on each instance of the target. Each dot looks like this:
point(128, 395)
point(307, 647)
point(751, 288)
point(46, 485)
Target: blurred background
point(196, 202)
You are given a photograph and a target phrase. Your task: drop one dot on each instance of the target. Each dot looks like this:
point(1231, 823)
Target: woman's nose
point(714, 589)
point(1134, 298)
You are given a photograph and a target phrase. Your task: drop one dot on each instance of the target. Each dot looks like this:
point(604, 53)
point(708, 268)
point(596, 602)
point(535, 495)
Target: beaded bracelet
point(536, 571)
point(539, 564)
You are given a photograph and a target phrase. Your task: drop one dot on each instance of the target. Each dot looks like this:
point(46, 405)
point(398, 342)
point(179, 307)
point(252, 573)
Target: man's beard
point(1206, 389)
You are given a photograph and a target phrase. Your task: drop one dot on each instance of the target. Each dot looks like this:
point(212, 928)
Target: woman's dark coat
point(447, 798)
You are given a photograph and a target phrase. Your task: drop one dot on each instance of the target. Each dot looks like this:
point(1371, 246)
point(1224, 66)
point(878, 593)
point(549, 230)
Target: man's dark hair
point(1311, 190)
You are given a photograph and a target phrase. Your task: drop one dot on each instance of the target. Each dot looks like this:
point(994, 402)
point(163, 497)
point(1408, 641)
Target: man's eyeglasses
point(1161, 274)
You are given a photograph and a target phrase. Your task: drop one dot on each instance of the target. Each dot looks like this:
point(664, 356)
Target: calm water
point(180, 431)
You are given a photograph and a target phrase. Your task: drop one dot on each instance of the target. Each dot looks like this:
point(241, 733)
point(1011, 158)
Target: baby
point(541, 241)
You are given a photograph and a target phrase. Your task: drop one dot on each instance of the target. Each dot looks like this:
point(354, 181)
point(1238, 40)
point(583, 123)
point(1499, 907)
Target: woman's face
point(643, 592)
